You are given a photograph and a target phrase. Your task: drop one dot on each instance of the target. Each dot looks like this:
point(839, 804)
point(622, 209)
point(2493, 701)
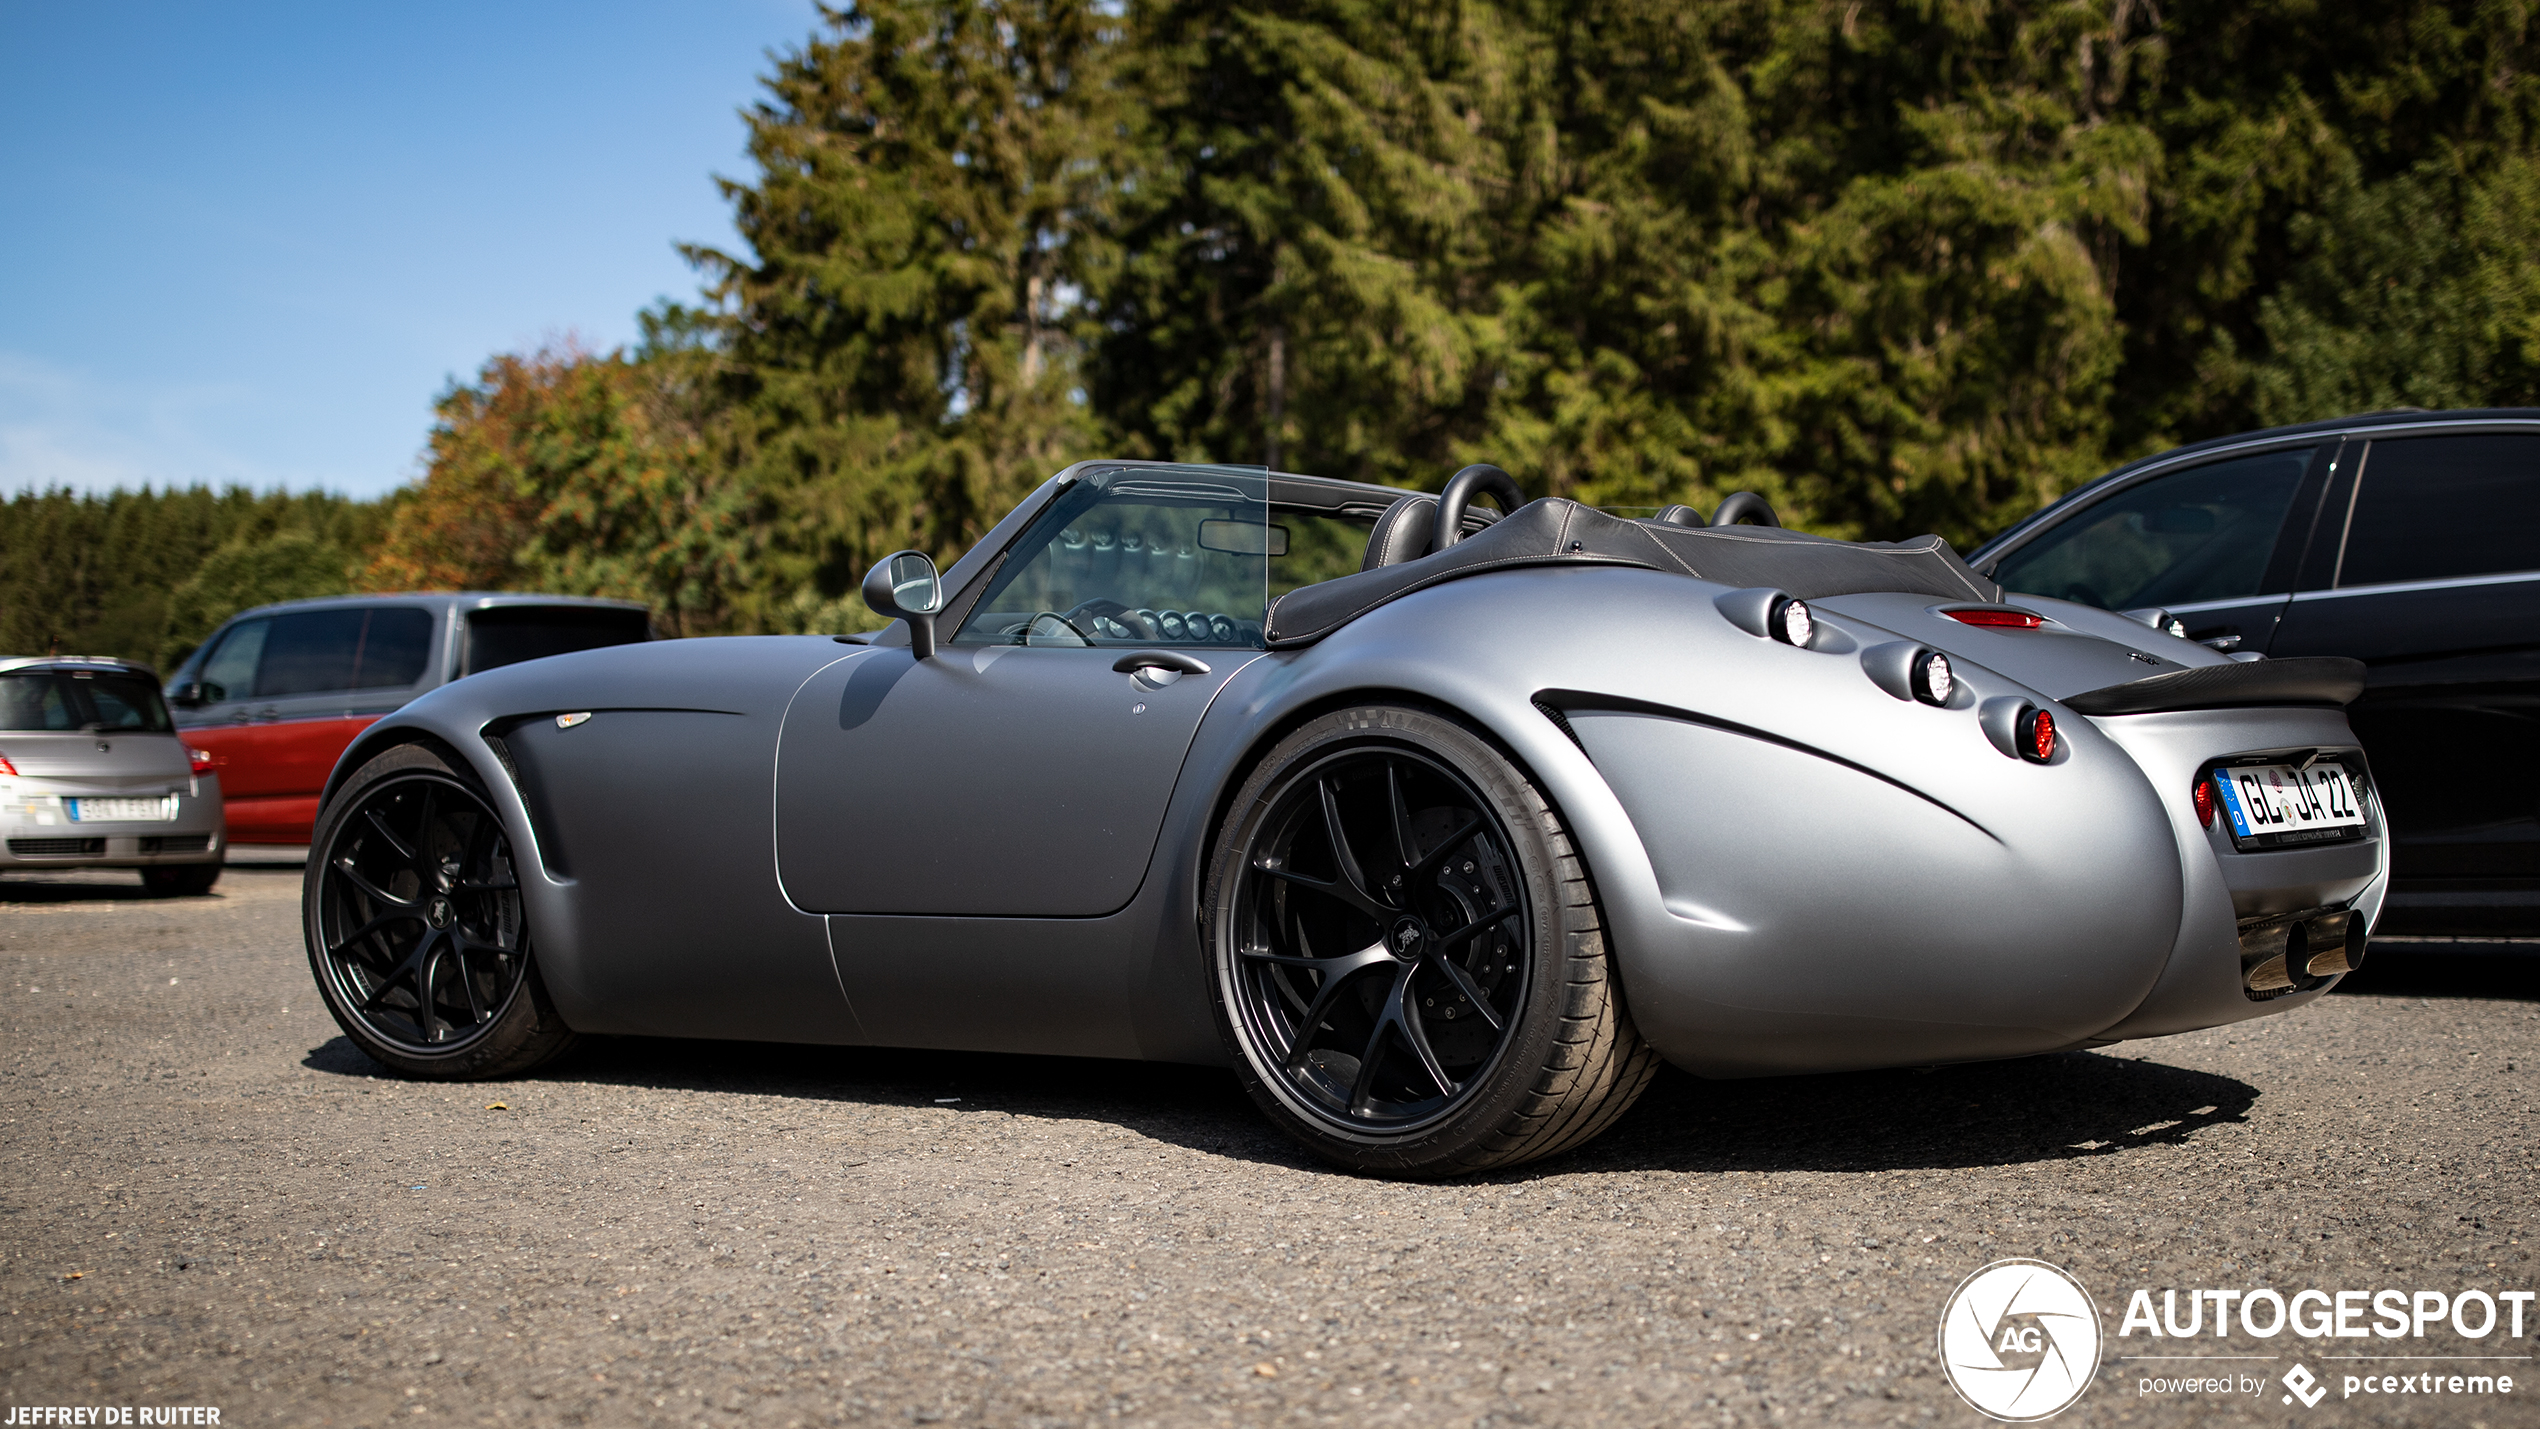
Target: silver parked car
point(93, 775)
point(1440, 832)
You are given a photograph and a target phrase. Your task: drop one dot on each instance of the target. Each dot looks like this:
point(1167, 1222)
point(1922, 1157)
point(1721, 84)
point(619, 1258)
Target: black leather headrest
point(1402, 533)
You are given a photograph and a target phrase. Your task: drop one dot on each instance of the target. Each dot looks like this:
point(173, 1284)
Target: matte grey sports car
point(1440, 830)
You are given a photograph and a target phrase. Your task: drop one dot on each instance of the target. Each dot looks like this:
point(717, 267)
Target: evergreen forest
point(1897, 265)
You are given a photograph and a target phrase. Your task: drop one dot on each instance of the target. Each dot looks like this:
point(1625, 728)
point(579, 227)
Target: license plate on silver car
point(2275, 805)
point(123, 811)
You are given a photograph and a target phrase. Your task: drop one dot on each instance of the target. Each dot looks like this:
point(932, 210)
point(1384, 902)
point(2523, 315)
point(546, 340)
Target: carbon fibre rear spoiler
point(2309, 680)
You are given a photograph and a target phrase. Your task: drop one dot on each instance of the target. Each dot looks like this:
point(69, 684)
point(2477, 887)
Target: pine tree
point(1305, 255)
point(898, 348)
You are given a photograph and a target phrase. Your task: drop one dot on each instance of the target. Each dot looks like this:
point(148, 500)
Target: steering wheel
point(1105, 608)
point(1479, 478)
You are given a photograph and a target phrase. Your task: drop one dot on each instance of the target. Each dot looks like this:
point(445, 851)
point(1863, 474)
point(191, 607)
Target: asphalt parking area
point(211, 1199)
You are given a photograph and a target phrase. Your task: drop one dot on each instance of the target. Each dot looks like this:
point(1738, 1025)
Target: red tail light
point(2205, 802)
point(2037, 736)
point(199, 760)
point(1996, 619)
point(7, 768)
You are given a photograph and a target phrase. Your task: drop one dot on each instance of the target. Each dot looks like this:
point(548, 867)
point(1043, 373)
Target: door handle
point(266, 715)
point(1173, 660)
point(1154, 669)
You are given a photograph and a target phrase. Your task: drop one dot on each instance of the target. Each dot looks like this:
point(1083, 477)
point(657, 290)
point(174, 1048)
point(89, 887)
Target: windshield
point(1152, 555)
point(69, 700)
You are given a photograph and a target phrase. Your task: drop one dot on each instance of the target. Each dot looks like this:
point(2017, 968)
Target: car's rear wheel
point(183, 880)
point(415, 925)
point(1408, 961)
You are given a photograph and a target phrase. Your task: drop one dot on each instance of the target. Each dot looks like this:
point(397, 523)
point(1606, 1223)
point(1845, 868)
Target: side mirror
point(193, 694)
point(904, 585)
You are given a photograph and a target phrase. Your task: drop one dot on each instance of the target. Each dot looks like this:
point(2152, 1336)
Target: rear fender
point(1799, 871)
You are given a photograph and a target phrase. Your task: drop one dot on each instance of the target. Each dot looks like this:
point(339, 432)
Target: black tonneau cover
point(1554, 531)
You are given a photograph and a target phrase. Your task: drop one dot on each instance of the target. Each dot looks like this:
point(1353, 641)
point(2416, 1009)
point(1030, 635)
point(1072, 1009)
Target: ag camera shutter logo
point(2019, 1341)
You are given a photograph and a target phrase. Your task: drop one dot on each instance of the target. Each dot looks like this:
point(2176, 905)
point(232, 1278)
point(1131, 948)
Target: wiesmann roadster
point(1440, 829)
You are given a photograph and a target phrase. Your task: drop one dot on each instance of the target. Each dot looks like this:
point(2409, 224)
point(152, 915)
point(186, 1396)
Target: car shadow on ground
point(24, 888)
point(83, 885)
point(1989, 1114)
point(2503, 971)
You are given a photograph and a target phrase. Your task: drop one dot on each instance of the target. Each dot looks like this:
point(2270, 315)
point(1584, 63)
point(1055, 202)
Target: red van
point(278, 692)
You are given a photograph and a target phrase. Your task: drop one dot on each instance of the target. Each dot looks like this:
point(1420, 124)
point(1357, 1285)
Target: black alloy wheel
point(1409, 965)
point(416, 929)
point(1382, 929)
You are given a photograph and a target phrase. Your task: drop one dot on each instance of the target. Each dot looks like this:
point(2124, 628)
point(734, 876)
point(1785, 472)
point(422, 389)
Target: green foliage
point(2425, 292)
point(1899, 266)
point(577, 475)
point(2275, 118)
point(288, 565)
point(93, 575)
point(897, 363)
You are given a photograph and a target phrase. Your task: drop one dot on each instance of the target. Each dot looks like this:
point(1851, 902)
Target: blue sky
point(250, 243)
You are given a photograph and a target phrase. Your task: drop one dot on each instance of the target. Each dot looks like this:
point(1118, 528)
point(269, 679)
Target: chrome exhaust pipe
point(2295, 952)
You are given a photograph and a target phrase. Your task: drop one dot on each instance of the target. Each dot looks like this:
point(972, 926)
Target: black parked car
point(2408, 540)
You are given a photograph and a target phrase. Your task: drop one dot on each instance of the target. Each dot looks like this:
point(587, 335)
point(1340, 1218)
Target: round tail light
point(200, 761)
point(2036, 731)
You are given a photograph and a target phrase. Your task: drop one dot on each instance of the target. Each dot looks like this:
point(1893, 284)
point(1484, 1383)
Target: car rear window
point(66, 700)
point(509, 634)
point(2437, 508)
point(355, 648)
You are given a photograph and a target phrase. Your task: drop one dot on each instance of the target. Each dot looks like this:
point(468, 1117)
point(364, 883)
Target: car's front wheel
point(1408, 961)
point(415, 926)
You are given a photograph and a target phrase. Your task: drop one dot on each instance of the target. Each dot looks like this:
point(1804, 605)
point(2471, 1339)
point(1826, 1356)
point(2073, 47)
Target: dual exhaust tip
point(2296, 952)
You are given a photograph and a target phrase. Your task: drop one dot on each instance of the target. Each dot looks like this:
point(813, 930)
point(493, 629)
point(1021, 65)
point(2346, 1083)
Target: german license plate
point(2276, 805)
point(123, 811)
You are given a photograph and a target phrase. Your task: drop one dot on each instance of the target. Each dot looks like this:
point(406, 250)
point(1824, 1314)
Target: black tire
point(1465, 959)
point(180, 880)
point(415, 925)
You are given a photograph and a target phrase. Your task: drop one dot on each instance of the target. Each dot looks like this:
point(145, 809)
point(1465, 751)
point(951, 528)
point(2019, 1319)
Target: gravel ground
point(211, 1199)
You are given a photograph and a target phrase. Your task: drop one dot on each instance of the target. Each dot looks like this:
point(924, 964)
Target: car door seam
point(776, 788)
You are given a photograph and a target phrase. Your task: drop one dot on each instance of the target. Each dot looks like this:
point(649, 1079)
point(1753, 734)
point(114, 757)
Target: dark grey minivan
point(2408, 540)
point(279, 691)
